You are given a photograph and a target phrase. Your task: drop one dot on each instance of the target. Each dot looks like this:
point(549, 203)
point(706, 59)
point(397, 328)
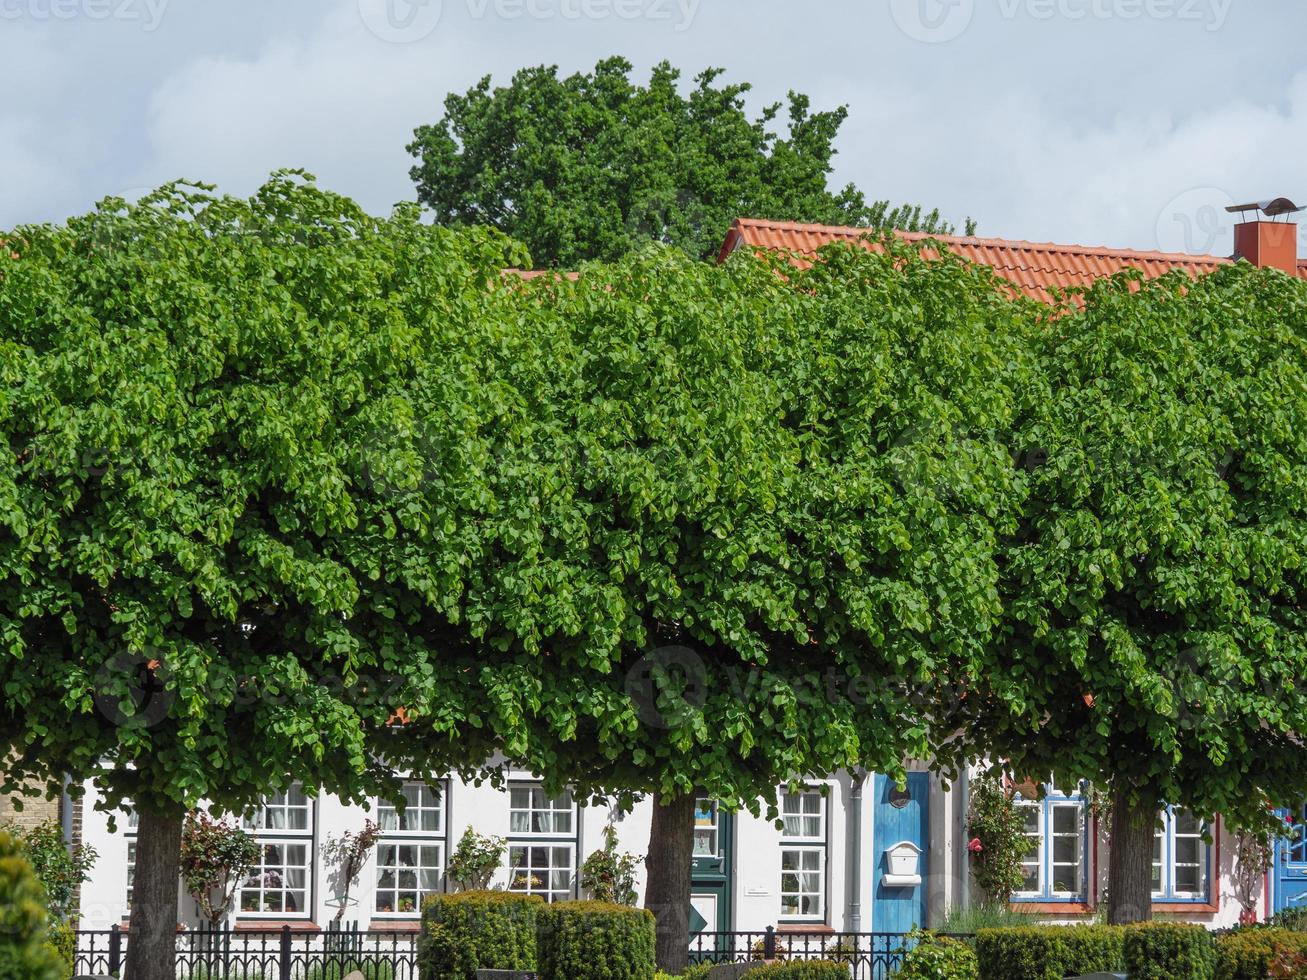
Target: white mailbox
point(904, 860)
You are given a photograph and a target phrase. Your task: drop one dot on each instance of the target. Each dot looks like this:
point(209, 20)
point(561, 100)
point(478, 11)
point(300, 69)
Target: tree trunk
point(667, 893)
point(152, 939)
point(1130, 866)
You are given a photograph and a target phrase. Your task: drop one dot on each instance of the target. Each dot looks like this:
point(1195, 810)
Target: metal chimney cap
point(1272, 208)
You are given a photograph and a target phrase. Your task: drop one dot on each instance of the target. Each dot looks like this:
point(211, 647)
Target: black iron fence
point(288, 954)
point(272, 954)
point(868, 955)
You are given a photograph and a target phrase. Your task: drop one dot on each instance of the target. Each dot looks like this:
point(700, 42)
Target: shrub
point(472, 931)
point(1294, 919)
point(1166, 950)
point(938, 958)
point(24, 954)
point(60, 870)
point(801, 970)
point(998, 839)
point(594, 941)
point(475, 860)
point(608, 875)
point(62, 941)
point(698, 971)
point(1048, 952)
point(371, 970)
point(1289, 964)
point(1247, 954)
point(216, 856)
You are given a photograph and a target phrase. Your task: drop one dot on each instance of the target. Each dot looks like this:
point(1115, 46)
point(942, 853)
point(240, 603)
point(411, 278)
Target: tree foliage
point(593, 165)
point(1153, 634)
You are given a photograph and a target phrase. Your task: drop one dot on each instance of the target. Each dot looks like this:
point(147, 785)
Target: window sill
point(275, 925)
point(1053, 908)
point(395, 925)
point(790, 928)
point(1186, 908)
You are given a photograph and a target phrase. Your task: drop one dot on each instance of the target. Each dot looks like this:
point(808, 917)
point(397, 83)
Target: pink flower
point(975, 847)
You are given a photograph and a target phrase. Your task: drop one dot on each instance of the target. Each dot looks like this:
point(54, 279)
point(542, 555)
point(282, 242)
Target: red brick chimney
point(1267, 244)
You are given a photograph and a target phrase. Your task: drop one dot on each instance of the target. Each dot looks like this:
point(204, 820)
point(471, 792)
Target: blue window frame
point(1056, 866)
point(1182, 858)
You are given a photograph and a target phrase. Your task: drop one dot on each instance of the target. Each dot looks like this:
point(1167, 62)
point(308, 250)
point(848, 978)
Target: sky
point(1127, 123)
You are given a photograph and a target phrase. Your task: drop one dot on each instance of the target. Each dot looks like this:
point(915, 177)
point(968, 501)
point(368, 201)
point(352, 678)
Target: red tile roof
point(1035, 268)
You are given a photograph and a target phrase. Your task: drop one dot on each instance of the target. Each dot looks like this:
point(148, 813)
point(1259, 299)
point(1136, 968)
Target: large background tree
point(1154, 638)
point(593, 165)
point(204, 557)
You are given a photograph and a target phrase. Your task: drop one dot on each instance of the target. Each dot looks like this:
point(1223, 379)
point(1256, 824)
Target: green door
point(710, 876)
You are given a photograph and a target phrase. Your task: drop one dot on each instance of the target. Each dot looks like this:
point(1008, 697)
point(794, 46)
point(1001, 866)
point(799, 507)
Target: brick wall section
point(35, 810)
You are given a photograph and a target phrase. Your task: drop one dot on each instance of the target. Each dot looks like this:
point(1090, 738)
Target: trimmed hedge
point(1049, 952)
point(1247, 954)
point(24, 953)
point(801, 970)
point(471, 931)
point(594, 941)
point(1166, 950)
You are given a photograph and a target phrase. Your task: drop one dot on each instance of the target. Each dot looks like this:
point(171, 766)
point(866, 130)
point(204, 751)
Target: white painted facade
point(846, 844)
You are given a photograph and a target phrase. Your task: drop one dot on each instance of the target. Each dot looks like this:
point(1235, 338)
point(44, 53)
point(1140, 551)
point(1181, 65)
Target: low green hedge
point(1166, 950)
point(594, 941)
point(1247, 954)
point(1049, 952)
point(801, 970)
point(472, 931)
point(1294, 919)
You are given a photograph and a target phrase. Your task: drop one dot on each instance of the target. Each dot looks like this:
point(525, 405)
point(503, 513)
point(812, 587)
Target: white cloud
point(1054, 129)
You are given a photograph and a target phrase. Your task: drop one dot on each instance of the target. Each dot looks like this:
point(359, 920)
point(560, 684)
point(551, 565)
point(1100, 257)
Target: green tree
point(745, 555)
point(1153, 636)
point(593, 165)
point(203, 565)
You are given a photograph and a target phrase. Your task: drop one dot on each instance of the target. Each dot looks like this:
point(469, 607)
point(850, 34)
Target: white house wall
point(754, 889)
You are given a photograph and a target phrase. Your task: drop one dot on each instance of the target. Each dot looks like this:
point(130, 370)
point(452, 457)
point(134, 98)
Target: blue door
point(1289, 872)
point(899, 817)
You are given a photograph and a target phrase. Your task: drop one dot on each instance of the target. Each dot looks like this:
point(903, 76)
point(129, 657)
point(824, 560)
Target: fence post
point(285, 953)
point(769, 944)
point(115, 949)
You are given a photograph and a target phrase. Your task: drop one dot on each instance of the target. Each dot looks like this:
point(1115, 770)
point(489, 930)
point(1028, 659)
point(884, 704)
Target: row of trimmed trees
point(291, 493)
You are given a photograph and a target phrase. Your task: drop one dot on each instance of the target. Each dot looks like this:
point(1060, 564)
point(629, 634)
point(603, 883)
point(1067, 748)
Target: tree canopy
point(1153, 633)
point(594, 165)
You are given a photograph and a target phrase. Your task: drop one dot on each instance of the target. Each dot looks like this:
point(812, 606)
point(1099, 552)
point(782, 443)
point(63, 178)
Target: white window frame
point(1044, 844)
point(525, 840)
point(423, 839)
point(283, 837)
point(524, 881)
point(804, 847)
point(549, 810)
point(1165, 834)
point(131, 826)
